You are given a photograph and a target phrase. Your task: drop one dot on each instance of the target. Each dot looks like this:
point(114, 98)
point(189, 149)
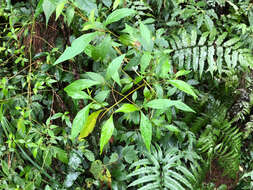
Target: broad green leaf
point(166, 103)
point(127, 108)
point(70, 12)
point(80, 85)
point(78, 95)
point(181, 85)
point(113, 69)
point(118, 14)
point(89, 124)
point(145, 61)
point(146, 38)
point(102, 95)
point(59, 8)
point(48, 8)
point(146, 130)
point(79, 121)
point(181, 73)
point(77, 47)
point(95, 76)
point(106, 133)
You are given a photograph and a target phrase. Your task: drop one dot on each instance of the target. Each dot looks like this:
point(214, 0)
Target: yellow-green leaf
point(127, 108)
point(89, 124)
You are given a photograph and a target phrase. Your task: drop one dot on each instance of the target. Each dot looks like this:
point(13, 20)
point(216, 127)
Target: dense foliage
point(126, 94)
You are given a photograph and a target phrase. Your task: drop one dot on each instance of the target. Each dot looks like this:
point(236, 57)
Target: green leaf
point(146, 38)
point(78, 95)
point(79, 121)
point(106, 133)
point(203, 53)
point(113, 69)
point(70, 12)
point(127, 108)
point(59, 8)
point(5, 167)
point(48, 8)
point(231, 42)
point(39, 9)
point(166, 103)
point(181, 85)
point(146, 130)
point(61, 154)
point(221, 38)
point(193, 37)
point(80, 85)
point(172, 128)
point(145, 61)
point(116, 4)
point(118, 14)
point(89, 124)
point(77, 47)
point(181, 73)
point(89, 155)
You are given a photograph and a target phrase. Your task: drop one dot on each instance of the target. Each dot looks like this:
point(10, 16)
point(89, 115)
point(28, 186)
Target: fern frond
point(212, 53)
point(163, 170)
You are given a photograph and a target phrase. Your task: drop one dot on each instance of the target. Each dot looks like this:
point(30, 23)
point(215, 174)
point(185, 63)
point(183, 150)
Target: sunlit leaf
point(89, 124)
point(127, 108)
